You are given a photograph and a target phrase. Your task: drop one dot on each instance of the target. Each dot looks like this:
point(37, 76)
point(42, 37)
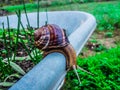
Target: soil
point(26, 65)
point(101, 40)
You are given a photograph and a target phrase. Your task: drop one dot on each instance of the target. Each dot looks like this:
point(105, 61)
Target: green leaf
point(12, 75)
point(6, 84)
point(17, 68)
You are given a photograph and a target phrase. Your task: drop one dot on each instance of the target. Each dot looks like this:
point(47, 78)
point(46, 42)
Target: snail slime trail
point(51, 38)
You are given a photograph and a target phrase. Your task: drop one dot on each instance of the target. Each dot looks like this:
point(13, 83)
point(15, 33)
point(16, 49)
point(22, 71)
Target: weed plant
point(104, 66)
point(13, 41)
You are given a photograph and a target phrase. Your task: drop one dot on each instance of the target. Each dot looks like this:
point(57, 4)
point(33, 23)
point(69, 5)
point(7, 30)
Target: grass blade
point(26, 13)
point(27, 50)
point(18, 29)
point(5, 43)
point(8, 27)
point(17, 68)
point(22, 25)
point(38, 14)
point(9, 36)
point(46, 15)
point(6, 84)
point(12, 75)
point(84, 70)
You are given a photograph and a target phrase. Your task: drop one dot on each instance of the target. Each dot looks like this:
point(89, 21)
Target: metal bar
point(48, 74)
point(82, 33)
point(45, 75)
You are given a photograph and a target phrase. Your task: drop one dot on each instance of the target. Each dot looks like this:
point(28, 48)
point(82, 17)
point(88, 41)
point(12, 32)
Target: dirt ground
point(100, 39)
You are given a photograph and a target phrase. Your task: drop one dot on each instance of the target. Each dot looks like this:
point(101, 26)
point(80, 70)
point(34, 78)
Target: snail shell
point(50, 36)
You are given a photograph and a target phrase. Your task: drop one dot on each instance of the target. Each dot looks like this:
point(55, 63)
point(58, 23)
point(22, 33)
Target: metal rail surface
point(50, 72)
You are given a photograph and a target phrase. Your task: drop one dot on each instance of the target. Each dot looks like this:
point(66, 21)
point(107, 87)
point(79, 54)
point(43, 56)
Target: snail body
point(51, 38)
point(68, 52)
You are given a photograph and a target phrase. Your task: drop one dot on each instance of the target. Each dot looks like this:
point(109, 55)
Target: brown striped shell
point(49, 37)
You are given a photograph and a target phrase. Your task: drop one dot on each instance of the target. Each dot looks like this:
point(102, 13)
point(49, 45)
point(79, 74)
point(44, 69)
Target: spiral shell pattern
point(49, 37)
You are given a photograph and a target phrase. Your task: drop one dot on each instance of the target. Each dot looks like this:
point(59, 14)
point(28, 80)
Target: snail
point(51, 38)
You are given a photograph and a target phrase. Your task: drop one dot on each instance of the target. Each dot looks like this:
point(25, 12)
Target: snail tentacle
point(75, 70)
point(84, 70)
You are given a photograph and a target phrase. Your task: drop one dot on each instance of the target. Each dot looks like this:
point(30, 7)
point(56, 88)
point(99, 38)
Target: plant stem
point(5, 43)
point(46, 15)
point(22, 25)
point(9, 37)
point(38, 14)
point(27, 50)
point(8, 28)
point(26, 13)
point(18, 29)
point(29, 42)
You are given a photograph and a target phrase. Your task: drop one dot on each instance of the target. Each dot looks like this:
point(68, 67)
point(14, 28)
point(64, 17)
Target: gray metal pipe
point(45, 75)
point(79, 37)
point(49, 73)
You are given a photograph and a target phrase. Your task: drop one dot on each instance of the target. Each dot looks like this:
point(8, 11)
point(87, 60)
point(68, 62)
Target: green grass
point(106, 70)
point(106, 13)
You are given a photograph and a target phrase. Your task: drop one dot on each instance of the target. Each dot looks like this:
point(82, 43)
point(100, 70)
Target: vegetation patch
point(104, 66)
point(106, 13)
point(18, 53)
